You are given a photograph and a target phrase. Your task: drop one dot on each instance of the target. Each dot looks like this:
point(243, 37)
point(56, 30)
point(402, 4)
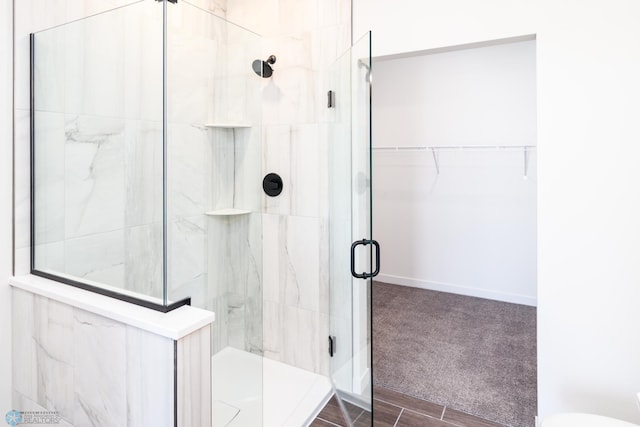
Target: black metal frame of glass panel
point(165, 308)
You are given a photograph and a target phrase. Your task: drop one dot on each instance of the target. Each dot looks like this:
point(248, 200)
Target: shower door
point(353, 255)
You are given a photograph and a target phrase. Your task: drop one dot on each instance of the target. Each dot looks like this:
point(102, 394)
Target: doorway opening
point(454, 190)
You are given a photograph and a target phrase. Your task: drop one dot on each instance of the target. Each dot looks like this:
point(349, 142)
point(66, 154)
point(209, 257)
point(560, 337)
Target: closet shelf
point(436, 150)
point(228, 125)
point(228, 212)
point(457, 148)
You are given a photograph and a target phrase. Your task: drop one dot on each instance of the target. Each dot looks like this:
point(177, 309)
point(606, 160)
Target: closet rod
point(457, 148)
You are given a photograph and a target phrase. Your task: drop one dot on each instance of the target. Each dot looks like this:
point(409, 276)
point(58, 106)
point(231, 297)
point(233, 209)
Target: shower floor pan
point(250, 391)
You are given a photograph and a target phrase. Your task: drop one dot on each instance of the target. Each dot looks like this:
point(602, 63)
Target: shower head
point(263, 68)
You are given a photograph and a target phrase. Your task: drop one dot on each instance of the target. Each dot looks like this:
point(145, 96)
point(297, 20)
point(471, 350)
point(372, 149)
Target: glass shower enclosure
point(147, 166)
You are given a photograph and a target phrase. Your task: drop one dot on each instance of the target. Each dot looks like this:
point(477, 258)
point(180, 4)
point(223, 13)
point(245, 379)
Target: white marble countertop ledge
point(175, 324)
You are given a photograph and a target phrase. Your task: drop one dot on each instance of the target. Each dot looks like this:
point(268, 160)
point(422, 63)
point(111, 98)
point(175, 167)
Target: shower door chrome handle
point(364, 242)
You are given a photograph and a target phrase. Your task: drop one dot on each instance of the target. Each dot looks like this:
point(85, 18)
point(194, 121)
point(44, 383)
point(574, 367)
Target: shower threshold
point(251, 390)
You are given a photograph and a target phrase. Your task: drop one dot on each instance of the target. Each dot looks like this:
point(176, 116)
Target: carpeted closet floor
point(469, 354)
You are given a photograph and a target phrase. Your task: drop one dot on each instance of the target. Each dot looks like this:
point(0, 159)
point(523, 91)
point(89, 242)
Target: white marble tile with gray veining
point(295, 267)
point(300, 263)
point(290, 97)
point(49, 257)
point(254, 277)
point(239, 95)
point(300, 155)
point(308, 156)
point(94, 66)
point(53, 328)
point(220, 331)
point(324, 266)
point(217, 7)
point(273, 329)
point(53, 334)
point(23, 344)
point(329, 43)
point(22, 179)
point(188, 170)
point(194, 379)
point(297, 15)
point(218, 103)
point(300, 339)
point(143, 172)
point(258, 16)
point(270, 254)
point(296, 290)
point(248, 169)
point(143, 259)
point(236, 319)
point(100, 377)
point(276, 153)
point(187, 256)
point(49, 157)
point(22, 64)
point(80, 9)
point(149, 377)
point(98, 257)
point(22, 263)
point(235, 271)
point(189, 65)
point(23, 403)
point(49, 71)
point(143, 61)
point(94, 175)
point(223, 160)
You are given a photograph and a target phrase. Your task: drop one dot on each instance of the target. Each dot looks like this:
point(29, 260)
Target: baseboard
point(457, 289)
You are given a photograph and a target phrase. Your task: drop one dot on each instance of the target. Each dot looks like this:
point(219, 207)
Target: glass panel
point(214, 193)
point(350, 220)
point(97, 150)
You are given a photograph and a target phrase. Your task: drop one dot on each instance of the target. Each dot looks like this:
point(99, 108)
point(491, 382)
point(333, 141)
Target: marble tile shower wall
point(37, 15)
point(100, 169)
point(216, 260)
point(306, 36)
point(99, 121)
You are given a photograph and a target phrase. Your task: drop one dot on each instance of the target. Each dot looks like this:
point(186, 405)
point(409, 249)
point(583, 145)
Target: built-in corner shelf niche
point(228, 212)
point(228, 125)
point(224, 212)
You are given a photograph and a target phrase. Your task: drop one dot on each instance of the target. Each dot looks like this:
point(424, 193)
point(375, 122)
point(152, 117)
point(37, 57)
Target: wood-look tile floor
point(393, 409)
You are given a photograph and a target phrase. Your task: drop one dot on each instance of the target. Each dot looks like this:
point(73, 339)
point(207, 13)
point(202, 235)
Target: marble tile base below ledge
point(92, 370)
point(194, 379)
point(23, 404)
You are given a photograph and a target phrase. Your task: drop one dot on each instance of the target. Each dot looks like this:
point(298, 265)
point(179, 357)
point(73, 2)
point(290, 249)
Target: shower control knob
point(272, 184)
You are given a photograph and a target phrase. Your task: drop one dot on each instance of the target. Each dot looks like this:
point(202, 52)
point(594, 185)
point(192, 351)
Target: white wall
point(471, 229)
point(6, 195)
point(475, 95)
point(588, 62)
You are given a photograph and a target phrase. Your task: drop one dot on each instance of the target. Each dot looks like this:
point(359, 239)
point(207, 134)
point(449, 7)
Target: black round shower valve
point(272, 184)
